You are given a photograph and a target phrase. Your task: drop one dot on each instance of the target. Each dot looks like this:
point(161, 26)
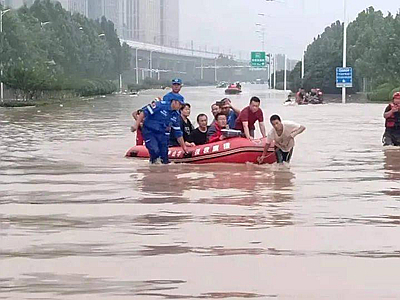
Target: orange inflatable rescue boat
point(236, 150)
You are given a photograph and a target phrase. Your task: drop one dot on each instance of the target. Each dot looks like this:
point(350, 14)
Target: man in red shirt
point(249, 116)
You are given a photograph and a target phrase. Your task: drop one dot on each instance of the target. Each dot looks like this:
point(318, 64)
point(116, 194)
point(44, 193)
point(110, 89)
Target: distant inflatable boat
point(233, 89)
point(235, 151)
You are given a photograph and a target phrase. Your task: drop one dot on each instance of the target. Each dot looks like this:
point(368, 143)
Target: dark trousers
point(157, 144)
point(282, 156)
point(391, 137)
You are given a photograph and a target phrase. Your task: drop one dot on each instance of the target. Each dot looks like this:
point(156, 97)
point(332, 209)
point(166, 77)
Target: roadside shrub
point(382, 93)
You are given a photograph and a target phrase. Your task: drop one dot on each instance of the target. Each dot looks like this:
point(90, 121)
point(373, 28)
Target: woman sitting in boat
point(186, 127)
point(215, 133)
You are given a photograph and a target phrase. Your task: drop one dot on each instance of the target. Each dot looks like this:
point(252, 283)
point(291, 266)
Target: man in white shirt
point(283, 133)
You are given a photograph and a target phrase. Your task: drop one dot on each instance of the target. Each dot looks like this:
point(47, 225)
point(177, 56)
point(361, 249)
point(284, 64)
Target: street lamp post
point(2, 13)
point(344, 46)
point(270, 70)
point(274, 71)
point(202, 69)
point(262, 32)
point(215, 66)
point(285, 75)
point(151, 64)
point(137, 66)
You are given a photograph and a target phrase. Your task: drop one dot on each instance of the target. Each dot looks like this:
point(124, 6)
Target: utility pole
point(216, 79)
point(270, 70)
point(137, 67)
point(285, 75)
point(202, 69)
point(274, 71)
point(151, 64)
point(344, 46)
point(2, 13)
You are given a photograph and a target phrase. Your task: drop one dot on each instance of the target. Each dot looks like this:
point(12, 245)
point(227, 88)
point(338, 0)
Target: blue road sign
point(344, 77)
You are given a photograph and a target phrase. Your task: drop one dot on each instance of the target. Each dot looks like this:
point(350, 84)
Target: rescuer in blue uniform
point(176, 88)
point(159, 117)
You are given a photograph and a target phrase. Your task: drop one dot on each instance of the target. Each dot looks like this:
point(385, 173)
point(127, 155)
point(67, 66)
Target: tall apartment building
point(169, 22)
point(75, 6)
point(148, 21)
point(16, 3)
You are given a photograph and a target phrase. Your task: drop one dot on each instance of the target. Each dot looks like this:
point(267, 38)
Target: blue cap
point(177, 81)
point(172, 96)
point(180, 99)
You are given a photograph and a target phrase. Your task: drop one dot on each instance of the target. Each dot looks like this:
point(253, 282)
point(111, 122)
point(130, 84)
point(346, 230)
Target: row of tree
point(45, 48)
point(373, 52)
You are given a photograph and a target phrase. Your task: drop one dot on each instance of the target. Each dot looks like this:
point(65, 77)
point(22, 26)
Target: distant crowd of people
point(165, 123)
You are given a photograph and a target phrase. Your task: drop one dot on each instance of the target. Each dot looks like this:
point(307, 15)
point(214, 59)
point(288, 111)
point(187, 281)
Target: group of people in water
point(315, 96)
point(165, 123)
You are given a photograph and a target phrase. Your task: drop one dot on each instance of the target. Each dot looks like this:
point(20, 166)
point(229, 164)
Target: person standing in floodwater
point(392, 123)
point(283, 134)
point(176, 89)
point(159, 117)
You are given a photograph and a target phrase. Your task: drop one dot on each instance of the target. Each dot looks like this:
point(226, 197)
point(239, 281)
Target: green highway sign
point(258, 59)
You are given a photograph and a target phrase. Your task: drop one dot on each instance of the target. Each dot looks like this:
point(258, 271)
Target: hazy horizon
point(290, 26)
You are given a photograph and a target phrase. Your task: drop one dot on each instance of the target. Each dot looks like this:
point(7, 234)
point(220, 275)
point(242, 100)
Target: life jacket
point(394, 120)
point(160, 118)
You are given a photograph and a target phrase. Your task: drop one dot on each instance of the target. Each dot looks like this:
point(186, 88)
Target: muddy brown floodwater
point(80, 221)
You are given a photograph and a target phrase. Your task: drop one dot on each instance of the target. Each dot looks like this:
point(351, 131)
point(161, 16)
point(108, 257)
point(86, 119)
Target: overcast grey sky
point(230, 24)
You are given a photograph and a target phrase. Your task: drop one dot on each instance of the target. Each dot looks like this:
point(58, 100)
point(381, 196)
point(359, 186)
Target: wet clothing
point(284, 141)
point(159, 118)
point(391, 136)
point(211, 130)
point(300, 97)
point(394, 120)
point(231, 118)
point(186, 128)
point(139, 137)
point(246, 115)
point(157, 144)
point(282, 156)
point(198, 137)
point(173, 96)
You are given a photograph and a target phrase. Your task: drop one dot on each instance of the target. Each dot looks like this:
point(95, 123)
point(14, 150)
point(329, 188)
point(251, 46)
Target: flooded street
point(80, 221)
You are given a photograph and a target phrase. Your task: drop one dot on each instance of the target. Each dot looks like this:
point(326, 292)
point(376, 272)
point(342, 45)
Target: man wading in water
point(283, 133)
point(392, 124)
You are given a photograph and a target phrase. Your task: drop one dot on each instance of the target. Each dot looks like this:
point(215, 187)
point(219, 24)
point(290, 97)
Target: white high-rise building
point(14, 3)
point(75, 6)
point(151, 21)
point(169, 22)
point(148, 21)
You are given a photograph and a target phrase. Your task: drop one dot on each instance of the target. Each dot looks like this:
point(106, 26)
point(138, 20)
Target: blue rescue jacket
point(232, 116)
point(160, 118)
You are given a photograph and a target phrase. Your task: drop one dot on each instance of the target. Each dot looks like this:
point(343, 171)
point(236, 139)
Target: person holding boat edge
point(283, 133)
point(249, 116)
point(158, 118)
